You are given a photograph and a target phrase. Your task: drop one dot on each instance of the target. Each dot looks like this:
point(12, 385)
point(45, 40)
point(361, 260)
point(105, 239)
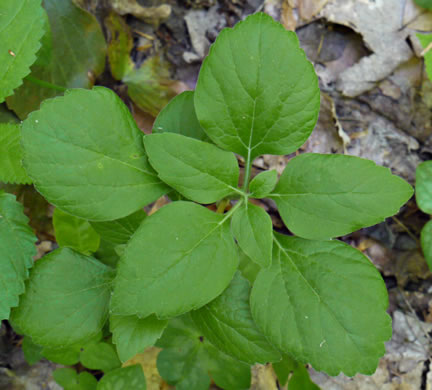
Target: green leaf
point(188, 359)
point(69, 379)
point(248, 268)
point(11, 170)
point(299, 380)
point(425, 41)
point(189, 243)
point(133, 335)
point(113, 177)
point(75, 56)
point(179, 116)
point(17, 248)
point(149, 86)
point(284, 368)
point(32, 352)
point(107, 253)
point(426, 243)
point(198, 170)
point(424, 3)
point(320, 196)
point(424, 186)
point(120, 45)
point(75, 233)
point(256, 92)
point(7, 116)
point(328, 305)
point(131, 377)
point(120, 231)
point(253, 229)
point(66, 299)
point(263, 183)
point(22, 25)
point(100, 356)
point(227, 323)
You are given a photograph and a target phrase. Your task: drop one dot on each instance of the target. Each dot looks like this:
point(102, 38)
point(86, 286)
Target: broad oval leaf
point(100, 356)
point(72, 56)
point(132, 335)
point(179, 116)
point(89, 162)
point(11, 169)
point(75, 233)
point(263, 183)
point(253, 229)
point(200, 171)
point(320, 196)
point(256, 92)
point(227, 323)
point(426, 243)
point(17, 248)
point(131, 377)
point(424, 186)
point(179, 259)
point(22, 23)
point(66, 299)
point(328, 305)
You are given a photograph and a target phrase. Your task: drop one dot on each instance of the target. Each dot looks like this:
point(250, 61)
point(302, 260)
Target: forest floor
point(375, 103)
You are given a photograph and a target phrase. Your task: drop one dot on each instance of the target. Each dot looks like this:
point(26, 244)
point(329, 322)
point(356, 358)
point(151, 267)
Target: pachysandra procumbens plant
point(315, 299)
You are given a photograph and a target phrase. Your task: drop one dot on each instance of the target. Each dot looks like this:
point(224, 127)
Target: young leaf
point(424, 186)
point(69, 379)
point(227, 323)
point(189, 243)
point(132, 335)
point(248, 268)
point(263, 183)
point(200, 171)
point(120, 231)
point(75, 233)
point(17, 248)
point(89, 163)
point(32, 352)
point(188, 359)
point(66, 299)
point(76, 56)
point(328, 305)
point(179, 116)
point(100, 356)
point(320, 196)
point(246, 99)
point(21, 24)
point(426, 243)
point(253, 229)
point(131, 377)
point(11, 170)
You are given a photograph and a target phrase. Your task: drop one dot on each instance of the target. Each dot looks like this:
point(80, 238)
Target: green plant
point(218, 291)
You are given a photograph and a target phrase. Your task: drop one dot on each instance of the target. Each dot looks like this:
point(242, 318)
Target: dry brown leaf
point(308, 9)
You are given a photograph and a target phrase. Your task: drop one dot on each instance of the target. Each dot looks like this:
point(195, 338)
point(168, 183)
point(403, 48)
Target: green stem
point(45, 84)
point(248, 167)
point(232, 211)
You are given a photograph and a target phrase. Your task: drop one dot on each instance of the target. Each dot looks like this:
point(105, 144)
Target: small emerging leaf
point(256, 92)
point(11, 169)
point(189, 260)
point(227, 323)
point(424, 186)
point(21, 29)
point(17, 248)
point(131, 377)
point(66, 299)
point(75, 233)
point(324, 303)
point(262, 184)
point(200, 171)
point(320, 196)
point(132, 335)
point(179, 116)
point(253, 229)
point(89, 163)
